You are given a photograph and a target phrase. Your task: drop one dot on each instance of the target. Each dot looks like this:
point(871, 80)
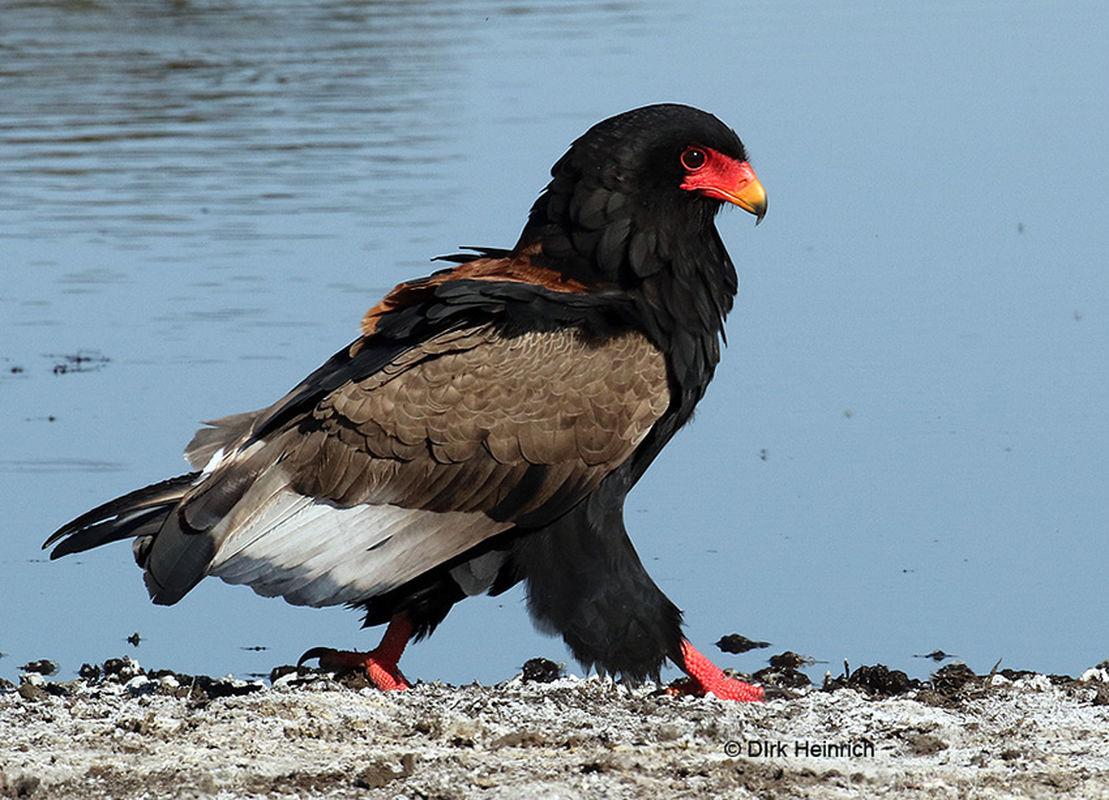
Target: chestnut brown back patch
point(519, 269)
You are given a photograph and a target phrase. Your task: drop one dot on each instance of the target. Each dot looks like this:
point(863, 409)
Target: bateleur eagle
point(487, 425)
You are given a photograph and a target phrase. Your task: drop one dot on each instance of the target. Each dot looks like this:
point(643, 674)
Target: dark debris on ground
point(948, 686)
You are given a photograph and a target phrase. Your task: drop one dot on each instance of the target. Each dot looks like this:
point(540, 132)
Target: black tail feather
point(133, 514)
point(109, 531)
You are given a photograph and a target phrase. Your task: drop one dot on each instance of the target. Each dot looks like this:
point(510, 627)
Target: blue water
point(905, 446)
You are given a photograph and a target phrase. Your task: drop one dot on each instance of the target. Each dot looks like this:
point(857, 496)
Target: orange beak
point(747, 193)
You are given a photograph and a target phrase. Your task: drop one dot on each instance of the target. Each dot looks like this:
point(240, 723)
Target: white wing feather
point(314, 553)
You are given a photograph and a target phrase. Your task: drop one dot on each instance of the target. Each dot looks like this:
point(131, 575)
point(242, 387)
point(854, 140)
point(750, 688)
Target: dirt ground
point(121, 733)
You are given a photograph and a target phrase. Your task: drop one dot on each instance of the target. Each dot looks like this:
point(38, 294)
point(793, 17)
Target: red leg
point(380, 663)
point(707, 678)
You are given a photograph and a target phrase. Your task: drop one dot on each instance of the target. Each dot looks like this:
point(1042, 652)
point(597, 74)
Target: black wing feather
point(117, 518)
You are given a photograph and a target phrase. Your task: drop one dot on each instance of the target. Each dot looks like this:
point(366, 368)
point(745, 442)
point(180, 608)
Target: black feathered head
point(639, 190)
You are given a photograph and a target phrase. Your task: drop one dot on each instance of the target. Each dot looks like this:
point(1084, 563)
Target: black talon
point(315, 652)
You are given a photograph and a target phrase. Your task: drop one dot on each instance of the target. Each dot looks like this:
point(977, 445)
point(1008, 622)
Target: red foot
point(380, 663)
point(707, 678)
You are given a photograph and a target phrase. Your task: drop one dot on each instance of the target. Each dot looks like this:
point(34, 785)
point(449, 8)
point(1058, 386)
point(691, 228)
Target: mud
point(736, 643)
point(122, 731)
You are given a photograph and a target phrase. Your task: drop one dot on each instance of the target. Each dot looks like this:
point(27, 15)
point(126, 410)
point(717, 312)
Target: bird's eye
point(693, 158)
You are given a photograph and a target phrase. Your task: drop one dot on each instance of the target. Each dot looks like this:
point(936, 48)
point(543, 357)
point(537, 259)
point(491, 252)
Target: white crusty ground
point(567, 739)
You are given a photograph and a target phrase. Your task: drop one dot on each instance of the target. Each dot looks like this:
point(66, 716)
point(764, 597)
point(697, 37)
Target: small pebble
point(32, 692)
point(1037, 683)
point(140, 685)
point(1095, 674)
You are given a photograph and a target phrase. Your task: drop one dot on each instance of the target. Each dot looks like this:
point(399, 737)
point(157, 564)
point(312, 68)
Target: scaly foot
point(380, 663)
point(707, 678)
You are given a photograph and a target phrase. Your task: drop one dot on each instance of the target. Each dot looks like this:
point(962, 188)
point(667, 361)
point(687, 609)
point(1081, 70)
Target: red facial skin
point(723, 178)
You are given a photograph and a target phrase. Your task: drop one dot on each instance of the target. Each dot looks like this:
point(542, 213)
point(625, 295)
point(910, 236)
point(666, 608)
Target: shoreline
point(126, 733)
